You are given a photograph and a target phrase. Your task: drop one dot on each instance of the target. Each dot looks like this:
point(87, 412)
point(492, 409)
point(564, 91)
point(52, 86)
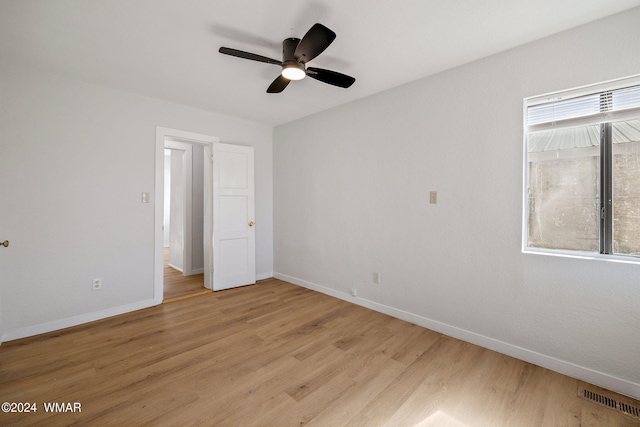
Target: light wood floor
point(177, 286)
point(275, 354)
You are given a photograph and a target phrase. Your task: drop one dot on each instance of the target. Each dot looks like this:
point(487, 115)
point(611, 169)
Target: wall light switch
point(433, 197)
point(145, 198)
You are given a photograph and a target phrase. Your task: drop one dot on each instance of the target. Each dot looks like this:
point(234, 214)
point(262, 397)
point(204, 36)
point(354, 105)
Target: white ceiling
point(168, 49)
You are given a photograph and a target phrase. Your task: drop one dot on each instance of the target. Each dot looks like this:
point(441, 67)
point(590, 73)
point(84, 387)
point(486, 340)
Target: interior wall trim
point(75, 320)
point(262, 276)
point(582, 373)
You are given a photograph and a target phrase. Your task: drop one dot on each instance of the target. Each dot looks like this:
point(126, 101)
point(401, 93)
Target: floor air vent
point(624, 408)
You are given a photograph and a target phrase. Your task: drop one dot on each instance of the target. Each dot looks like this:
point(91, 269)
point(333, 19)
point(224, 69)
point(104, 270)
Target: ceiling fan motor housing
point(289, 60)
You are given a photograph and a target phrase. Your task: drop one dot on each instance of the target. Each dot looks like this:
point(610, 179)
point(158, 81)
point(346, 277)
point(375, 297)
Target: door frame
point(207, 141)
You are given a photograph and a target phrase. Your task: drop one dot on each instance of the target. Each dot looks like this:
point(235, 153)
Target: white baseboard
point(75, 320)
point(176, 268)
point(262, 276)
point(89, 317)
point(566, 368)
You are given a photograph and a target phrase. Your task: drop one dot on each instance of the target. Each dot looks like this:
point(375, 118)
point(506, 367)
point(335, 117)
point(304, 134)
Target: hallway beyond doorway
point(177, 286)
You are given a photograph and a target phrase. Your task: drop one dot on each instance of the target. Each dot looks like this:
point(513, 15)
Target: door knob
point(5, 243)
point(251, 223)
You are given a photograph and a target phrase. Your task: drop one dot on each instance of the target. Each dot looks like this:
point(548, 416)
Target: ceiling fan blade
point(331, 77)
point(278, 85)
point(247, 55)
point(317, 39)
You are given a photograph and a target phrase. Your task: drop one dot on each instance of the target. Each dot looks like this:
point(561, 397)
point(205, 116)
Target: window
point(582, 170)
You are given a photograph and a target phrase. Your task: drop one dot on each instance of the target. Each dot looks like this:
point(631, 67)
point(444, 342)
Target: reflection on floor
point(177, 286)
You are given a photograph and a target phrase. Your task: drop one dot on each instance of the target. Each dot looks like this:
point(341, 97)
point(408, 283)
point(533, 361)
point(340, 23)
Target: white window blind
point(600, 107)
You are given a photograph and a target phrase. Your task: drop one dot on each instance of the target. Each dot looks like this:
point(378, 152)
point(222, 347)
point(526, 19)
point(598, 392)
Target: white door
point(234, 258)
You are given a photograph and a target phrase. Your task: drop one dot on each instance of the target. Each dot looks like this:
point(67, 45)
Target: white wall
point(196, 222)
point(352, 197)
point(177, 209)
point(74, 160)
point(197, 210)
point(167, 198)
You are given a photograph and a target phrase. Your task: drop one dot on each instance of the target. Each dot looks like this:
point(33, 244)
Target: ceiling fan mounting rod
point(289, 48)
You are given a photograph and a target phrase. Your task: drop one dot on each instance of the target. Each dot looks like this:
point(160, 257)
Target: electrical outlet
point(353, 292)
point(97, 284)
point(376, 277)
point(433, 197)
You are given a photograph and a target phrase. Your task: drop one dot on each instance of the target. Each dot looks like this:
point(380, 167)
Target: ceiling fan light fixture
point(293, 72)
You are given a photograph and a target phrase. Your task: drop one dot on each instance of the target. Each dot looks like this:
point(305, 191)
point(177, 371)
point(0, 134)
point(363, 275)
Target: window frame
point(606, 163)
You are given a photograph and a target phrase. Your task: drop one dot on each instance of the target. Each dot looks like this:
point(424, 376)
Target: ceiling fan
point(295, 55)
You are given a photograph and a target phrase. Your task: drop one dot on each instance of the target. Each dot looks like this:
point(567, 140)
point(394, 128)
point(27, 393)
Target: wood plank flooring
point(177, 286)
point(275, 354)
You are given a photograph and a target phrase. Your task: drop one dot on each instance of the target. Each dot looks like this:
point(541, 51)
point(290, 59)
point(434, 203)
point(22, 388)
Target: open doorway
point(193, 243)
point(183, 224)
point(229, 193)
